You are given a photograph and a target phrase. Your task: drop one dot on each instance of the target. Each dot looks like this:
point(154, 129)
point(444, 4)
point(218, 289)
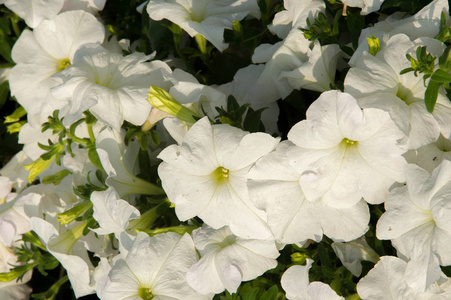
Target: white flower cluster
point(239, 197)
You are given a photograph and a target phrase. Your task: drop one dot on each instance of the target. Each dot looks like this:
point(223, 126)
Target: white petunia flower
point(286, 55)
point(295, 282)
point(15, 171)
point(34, 11)
point(387, 281)
point(295, 15)
point(425, 23)
point(13, 219)
point(121, 164)
point(91, 6)
point(208, 18)
point(48, 49)
point(352, 253)
point(376, 82)
point(417, 221)
point(227, 260)
point(114, 88)
point(199, 98)
point(345, 153)
point(275, 187)
point(155, 267)
point(206, 176)
point(70, 251)
point(318, 73)
point(113, 215)
point(367, 6)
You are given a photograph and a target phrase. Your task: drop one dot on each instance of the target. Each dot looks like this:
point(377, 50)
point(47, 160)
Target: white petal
point(295, 281)
point(112, 213)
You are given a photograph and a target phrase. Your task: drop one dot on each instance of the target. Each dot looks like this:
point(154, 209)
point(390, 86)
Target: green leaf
point(5, 48)
point(4, 92)
point(94, 158)
point(232, 104)
point(250, 294)
point(431, 94)
point(441, 76)
point(252, 121)
point(271, 293)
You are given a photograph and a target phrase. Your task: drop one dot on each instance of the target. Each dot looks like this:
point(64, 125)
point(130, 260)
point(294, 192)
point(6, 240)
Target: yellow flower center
point(349, 142)
point(221, 174)
point(145, 293)
point(62, 64)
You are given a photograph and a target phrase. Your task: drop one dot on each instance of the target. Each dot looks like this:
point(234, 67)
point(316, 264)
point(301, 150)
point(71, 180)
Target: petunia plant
point(225, 149)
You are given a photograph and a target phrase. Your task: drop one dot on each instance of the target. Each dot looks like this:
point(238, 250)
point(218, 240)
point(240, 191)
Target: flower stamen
point(145, 293)
point(221, 174)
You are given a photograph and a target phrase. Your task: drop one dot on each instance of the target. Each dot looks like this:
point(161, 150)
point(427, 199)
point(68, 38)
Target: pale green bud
point(162, 100)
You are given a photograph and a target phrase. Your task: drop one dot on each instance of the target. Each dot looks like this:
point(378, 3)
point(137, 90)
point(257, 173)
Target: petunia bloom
point(295, 282)
point(114, 88)
point(345, 153)
point(417, 221)
point(208, 18)
point(274, 186)
point(226, 260)
point(206, 177)
point(155, 267)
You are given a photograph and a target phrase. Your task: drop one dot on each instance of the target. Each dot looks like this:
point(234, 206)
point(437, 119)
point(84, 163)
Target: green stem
point(91, 134)
point(78, 140)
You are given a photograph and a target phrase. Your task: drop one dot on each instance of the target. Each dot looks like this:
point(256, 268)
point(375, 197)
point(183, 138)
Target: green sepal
point(444, 34)
point(155, 137)
point(70, 215)
point(149, 217)
point(56, 178)
point(33, 238)
point(17, 272)
point(444, 62)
